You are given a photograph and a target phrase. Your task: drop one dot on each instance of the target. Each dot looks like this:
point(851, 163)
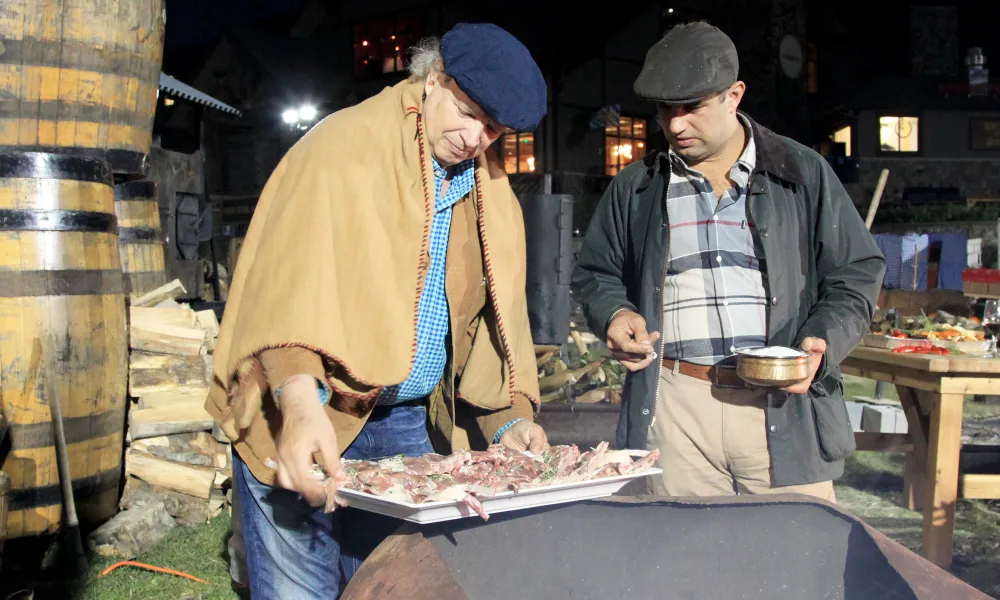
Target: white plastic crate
point(974, 249)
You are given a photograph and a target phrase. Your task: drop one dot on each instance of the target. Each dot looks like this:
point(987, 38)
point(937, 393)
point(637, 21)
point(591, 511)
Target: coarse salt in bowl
point(773, 352)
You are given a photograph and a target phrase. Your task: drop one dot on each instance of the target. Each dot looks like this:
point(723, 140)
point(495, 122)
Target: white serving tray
point(435, 512)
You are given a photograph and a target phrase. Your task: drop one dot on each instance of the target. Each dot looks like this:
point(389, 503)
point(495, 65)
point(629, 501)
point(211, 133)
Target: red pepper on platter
point(922, 350)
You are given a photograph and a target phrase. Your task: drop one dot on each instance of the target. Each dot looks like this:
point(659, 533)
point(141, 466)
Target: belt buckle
point(740, 385)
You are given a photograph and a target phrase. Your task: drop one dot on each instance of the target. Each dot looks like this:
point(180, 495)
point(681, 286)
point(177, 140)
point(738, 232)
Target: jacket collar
point(773, 155)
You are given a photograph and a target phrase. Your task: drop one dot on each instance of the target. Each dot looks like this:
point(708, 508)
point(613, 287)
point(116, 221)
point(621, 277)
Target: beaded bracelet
point(321, 391)
point(503, 430)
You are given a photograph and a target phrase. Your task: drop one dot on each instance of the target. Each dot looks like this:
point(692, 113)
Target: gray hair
point(425, 58)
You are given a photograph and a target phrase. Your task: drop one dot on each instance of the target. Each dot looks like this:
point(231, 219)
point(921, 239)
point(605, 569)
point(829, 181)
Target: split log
point(199, 449)
point(188, 510)
point(545, 348)
point(541, 359)
point(177, 397)
point(169, 291)
point(132, 532)
point(219, 435)
point(553, 397)
point(543, 353)
point(593, 396)
point(168, 420)
point(615, 395)
point(176, 317)
point(150, 373)
point(209, 323)
point(166, 339)
point(160, 472)
point(581, 346)
point(560, 380)
point(216, 503)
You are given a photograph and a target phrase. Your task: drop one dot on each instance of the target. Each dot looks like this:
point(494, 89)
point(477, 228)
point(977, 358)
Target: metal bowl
point(766, 371)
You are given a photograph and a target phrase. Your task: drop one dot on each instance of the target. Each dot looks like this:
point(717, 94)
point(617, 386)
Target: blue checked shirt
point(432, 314)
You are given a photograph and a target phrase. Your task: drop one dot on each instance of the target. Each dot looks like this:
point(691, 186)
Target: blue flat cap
point(497, 72)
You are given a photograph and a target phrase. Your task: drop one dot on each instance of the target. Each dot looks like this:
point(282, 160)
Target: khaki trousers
point(713, 442)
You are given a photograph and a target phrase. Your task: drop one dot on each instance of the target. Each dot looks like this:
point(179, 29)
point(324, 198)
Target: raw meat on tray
point(467, 476)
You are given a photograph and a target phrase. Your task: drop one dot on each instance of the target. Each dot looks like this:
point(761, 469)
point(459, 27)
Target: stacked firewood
point(581, 372)
point(171, 450)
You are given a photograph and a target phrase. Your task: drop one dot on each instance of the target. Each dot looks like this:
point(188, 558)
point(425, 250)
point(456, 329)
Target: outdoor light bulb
point(307, 112)
point(290, 116)
point(670, 10)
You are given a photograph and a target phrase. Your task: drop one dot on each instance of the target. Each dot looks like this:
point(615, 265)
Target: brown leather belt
point(720, 376)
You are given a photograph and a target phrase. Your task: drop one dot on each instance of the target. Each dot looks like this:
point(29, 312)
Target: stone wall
point(975, 178)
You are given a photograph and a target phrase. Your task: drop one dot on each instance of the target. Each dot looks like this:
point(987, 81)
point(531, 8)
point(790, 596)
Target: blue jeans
point(296, 551)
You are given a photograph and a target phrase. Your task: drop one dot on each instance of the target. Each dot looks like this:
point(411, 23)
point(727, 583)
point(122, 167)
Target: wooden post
point(916, 460)
point(876, 198)
point(941, 492)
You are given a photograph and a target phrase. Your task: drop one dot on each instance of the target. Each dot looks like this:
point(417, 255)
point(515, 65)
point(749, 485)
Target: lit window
point(898, 134)
point(380, 44)
point(843, 136)
point(519, 153)
point(624, 144)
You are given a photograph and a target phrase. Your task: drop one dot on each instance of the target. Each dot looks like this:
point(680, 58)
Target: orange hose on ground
point(151, 568)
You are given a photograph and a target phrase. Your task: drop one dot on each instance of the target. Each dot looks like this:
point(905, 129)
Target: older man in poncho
point(378, 307)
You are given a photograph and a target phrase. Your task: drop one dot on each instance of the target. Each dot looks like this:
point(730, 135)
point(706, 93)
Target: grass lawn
point(198, 551)
point(871, 489)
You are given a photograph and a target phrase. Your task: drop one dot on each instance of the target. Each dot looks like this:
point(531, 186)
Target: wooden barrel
point(4, 492)
point(140, 239)
point(62, 300)
point(81, 76)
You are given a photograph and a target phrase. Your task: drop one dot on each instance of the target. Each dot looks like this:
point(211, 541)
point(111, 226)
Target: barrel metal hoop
point(15, 219)
point(76, 430)
point(51, 495)
point(22, 284)
point(70, 55)
point(140, 191)
point(139, 235)
point(38, 162)
point(125, 163)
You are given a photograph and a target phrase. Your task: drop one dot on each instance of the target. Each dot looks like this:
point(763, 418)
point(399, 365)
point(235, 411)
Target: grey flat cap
point(692, 61)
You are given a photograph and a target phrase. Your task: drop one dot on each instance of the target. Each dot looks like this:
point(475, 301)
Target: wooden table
point(931, 390)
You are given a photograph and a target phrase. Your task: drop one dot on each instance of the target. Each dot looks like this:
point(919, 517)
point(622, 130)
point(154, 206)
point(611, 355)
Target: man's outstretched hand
point(816, 347)
point(305, 429)
point(629, 342)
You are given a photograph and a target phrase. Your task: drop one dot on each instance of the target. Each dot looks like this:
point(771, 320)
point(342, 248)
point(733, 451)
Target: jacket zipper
point(663, 280)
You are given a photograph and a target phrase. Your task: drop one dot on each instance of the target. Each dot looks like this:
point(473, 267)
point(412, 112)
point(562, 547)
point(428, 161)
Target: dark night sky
point(869, 38)
point(879, 29)
point(199, 22)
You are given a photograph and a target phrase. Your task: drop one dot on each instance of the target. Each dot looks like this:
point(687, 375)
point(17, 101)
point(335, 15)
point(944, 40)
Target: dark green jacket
point(824, 272)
